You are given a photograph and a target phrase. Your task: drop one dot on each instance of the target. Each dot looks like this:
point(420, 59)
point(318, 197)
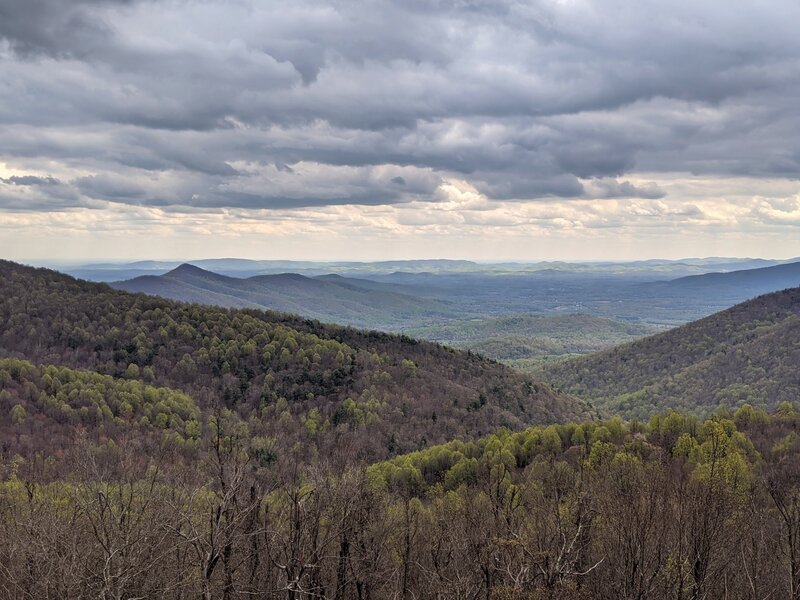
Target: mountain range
point(238, 267)
point(508, 316)
point(336, 299)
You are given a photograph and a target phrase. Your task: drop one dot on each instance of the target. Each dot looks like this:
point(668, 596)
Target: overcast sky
point(378, 129)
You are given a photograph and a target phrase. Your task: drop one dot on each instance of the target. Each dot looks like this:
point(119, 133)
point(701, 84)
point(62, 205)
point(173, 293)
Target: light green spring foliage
point(715, 449)
point(73, 396)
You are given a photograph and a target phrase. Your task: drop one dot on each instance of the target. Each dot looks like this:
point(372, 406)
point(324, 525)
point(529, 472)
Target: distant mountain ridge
point(747, 354)
point(421, 302)
point(338, 300)
point(241, 267)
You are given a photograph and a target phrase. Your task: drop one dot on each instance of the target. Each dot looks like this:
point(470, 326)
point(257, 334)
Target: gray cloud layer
point(248, 104)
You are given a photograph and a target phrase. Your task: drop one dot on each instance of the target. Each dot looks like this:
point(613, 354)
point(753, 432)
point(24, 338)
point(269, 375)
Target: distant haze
point(558, 129)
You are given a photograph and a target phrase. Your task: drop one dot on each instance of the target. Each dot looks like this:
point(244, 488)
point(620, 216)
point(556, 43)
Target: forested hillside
point(747, 354)
point(288, 379)
point(677, 508)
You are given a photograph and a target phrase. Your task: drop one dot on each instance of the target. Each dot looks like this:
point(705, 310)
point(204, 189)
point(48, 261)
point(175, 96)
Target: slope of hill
point(747, 354)
point(338, 300)
point(292, 379)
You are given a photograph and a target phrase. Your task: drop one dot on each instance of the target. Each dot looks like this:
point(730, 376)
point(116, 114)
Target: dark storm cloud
point(275, 105)
point(54, 27)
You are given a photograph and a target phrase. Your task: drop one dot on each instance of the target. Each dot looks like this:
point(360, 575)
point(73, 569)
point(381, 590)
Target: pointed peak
point(187, 269)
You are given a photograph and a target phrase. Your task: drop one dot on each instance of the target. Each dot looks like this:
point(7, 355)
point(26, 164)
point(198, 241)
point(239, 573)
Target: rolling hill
point(333, 299)
point(748, 354)
point(290, 379)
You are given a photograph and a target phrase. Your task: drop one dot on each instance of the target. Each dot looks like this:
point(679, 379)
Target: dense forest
point(748, 354)
point(290, 379)
point(676, 509)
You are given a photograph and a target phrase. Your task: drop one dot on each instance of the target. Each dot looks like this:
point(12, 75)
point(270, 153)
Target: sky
point(378, 129)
